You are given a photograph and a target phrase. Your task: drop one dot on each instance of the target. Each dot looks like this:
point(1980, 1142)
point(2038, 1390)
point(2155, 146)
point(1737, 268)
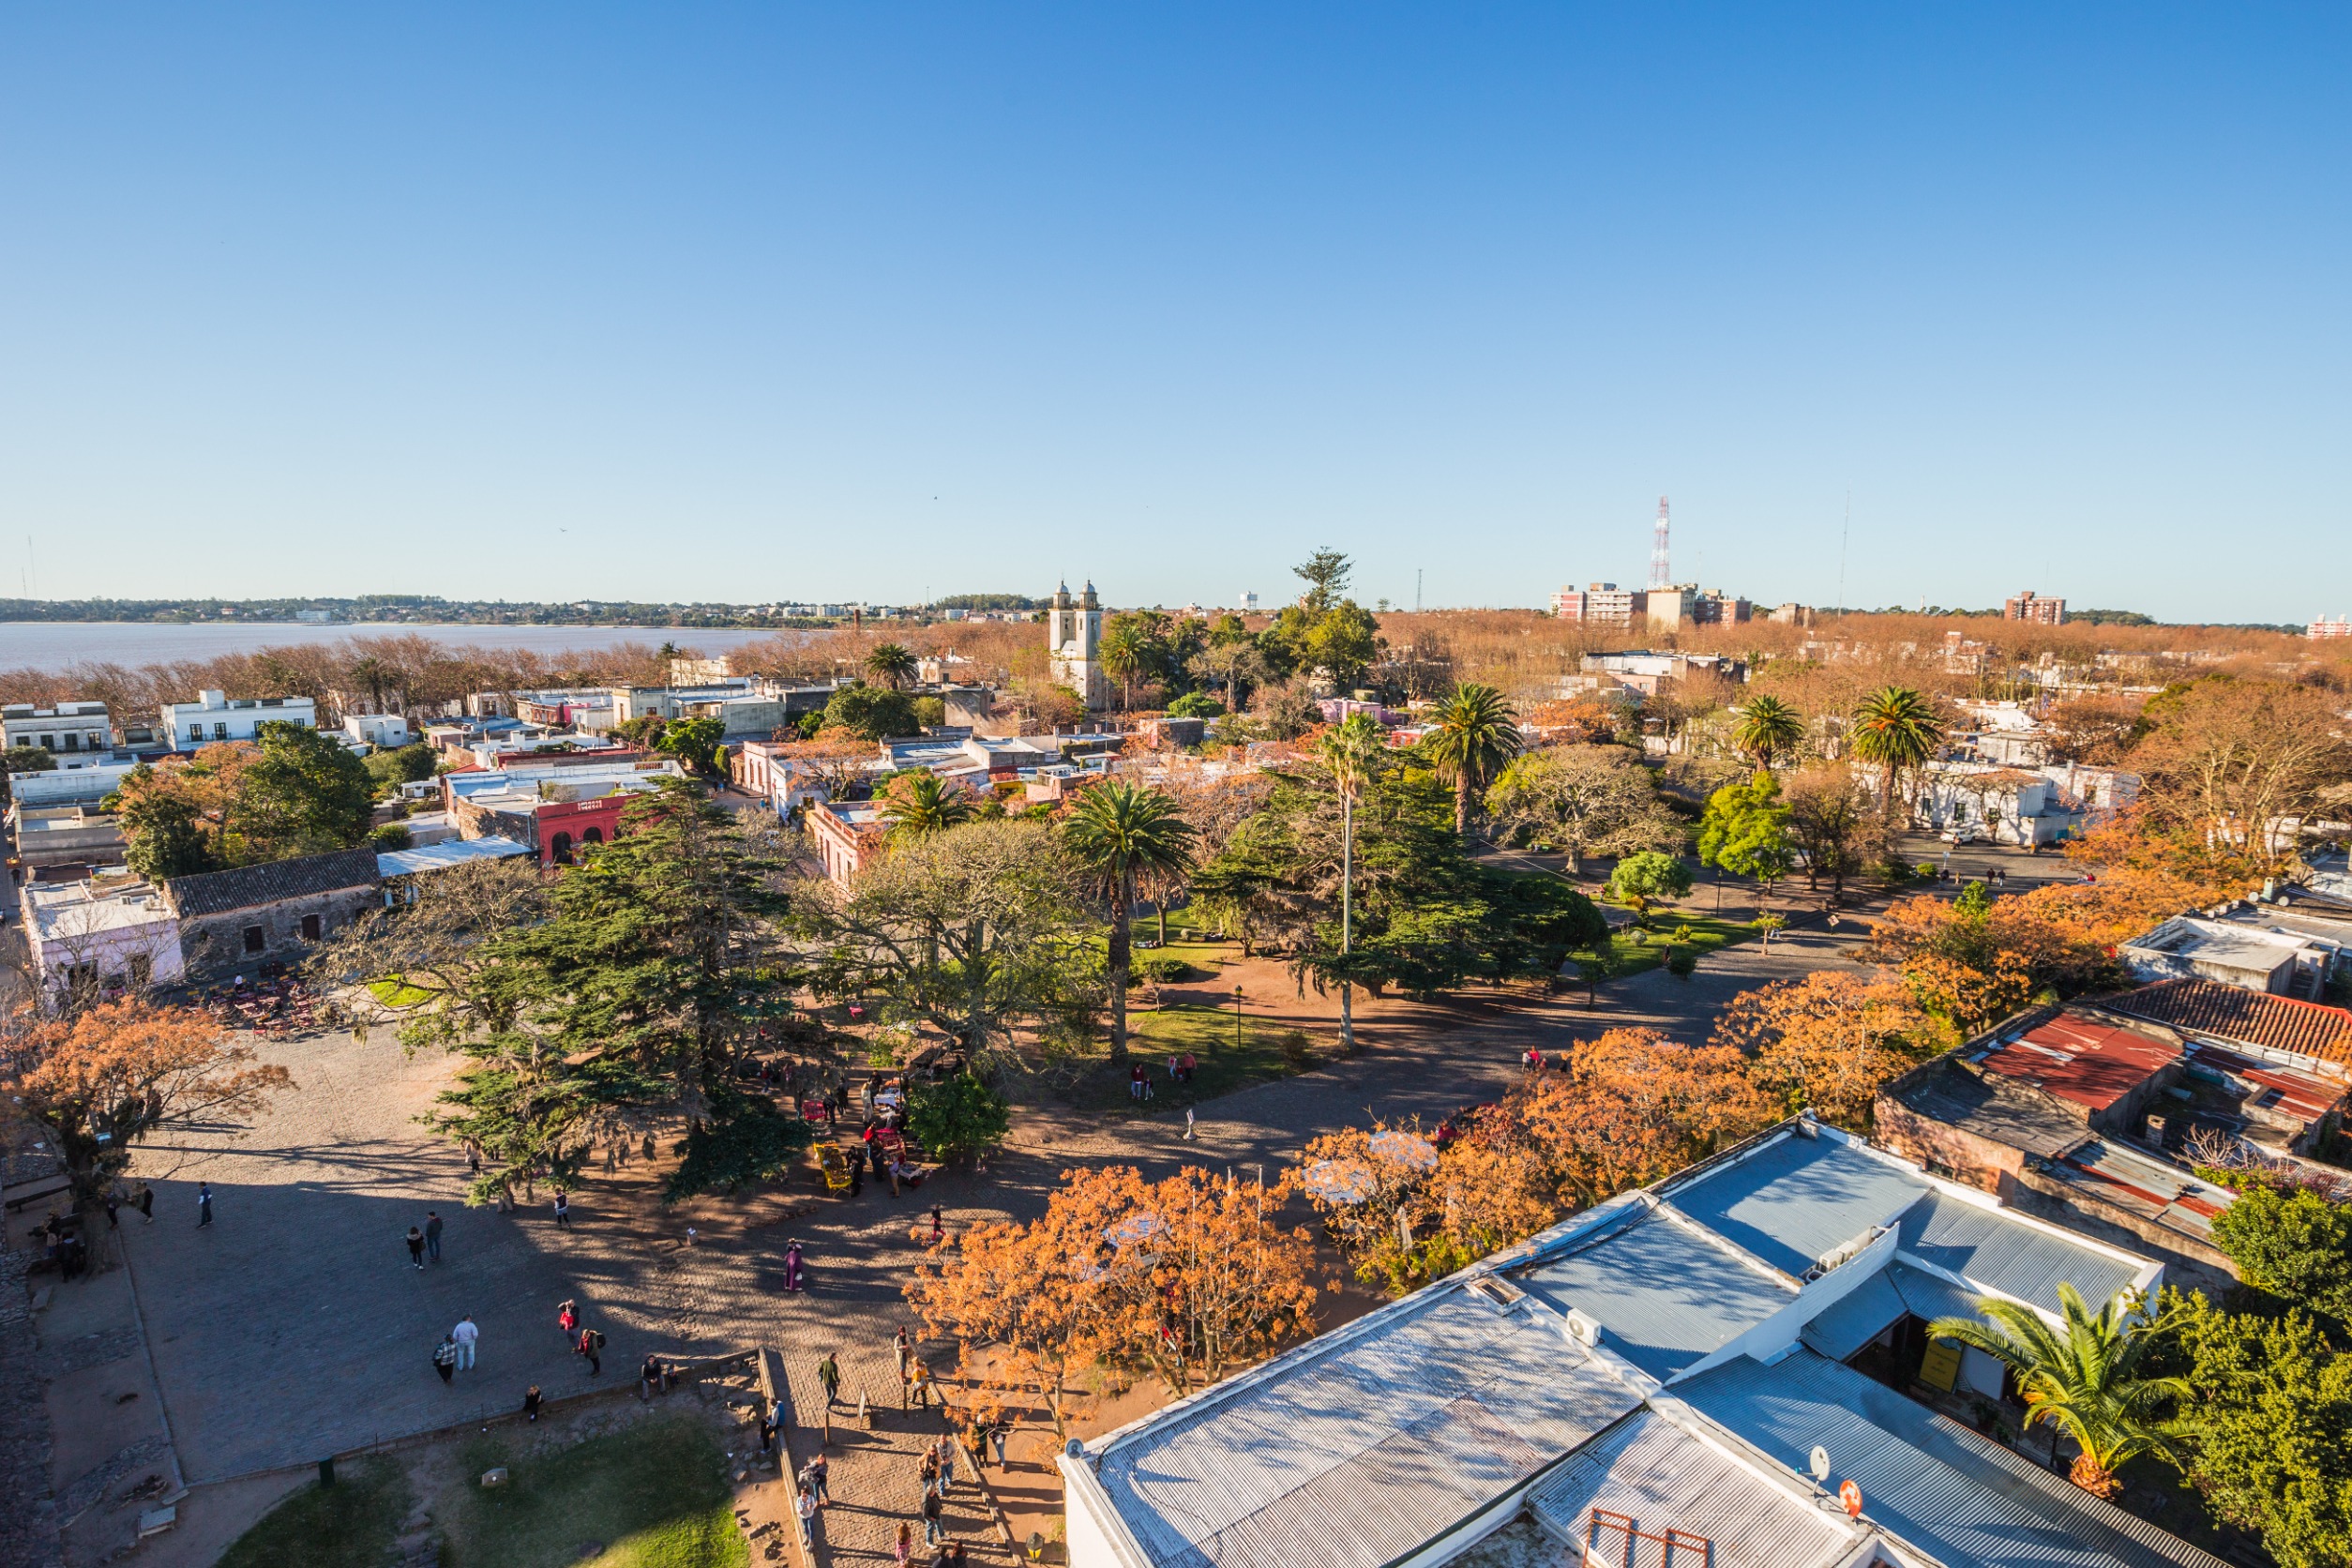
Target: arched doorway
point(561, 850)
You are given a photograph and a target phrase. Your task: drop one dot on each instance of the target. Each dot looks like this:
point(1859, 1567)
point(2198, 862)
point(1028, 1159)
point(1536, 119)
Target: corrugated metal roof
point(1857, 1319)
point(2153, 1189)
point(1666, 1297)
point(1354, 1457)
point(1928, 1298)
point(1795, 1200)
point(1989, 1248)
point(1664, 1478)
point(2082, 1060)
point(1923, 1480)
point(452, 851)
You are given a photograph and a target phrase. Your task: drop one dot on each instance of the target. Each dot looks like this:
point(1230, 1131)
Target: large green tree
point(874, 712)
point(303, 795)
point(697, 745)
point(918, 804)
point(1768, 728)
point(1583, 800)
point(2292, 1245)
point(1744, 830)
point(1477, 734)
point(892, 665)
point(1126, 840)
point(1325, 574)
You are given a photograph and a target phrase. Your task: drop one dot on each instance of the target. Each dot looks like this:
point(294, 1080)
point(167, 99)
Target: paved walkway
point(294, 1325)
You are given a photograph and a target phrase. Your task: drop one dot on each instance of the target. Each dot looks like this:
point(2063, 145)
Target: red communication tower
point(1661, 571)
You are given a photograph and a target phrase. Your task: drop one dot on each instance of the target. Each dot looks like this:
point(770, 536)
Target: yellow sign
point(1940, 1367)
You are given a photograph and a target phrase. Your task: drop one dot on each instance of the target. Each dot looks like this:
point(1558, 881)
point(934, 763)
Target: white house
point(101, 935)
point(216, 716)
point(389, 730)
point(72, 731)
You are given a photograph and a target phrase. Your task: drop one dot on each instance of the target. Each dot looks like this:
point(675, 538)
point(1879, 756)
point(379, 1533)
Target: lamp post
point(1237, 1017)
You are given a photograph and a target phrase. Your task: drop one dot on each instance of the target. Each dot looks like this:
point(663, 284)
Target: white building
point(387, 730)
point(1248, 605)
point(100, 936)
point(1073, 643)
point(217, 717)
point(74, 732)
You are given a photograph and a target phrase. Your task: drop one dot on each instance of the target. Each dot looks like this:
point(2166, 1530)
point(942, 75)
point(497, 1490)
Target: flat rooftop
point(1665, 1294)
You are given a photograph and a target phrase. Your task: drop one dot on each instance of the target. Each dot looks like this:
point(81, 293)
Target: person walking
point(902, 1347)
point(903, 1547)
point(933, 1533)
point(1188, 1132)
point(467, 1336)
point(829, 1374)
point(113, 1208)
point(922, 1386)
point(445, 1358)
point(817, 1471)
point(146, 1202)
point(531, 1403)
point(938, 1228)
point(805, 1506)
point(999, 1429)
point(432, 1235)
point(563, 1210)
point(591, 1345)
point(204, 1204)
point(416, 1246)
point(945, 1449)
point(566, 1318)
point(793, 1278)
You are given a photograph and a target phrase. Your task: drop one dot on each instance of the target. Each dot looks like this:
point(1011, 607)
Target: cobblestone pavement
point(294, 1325)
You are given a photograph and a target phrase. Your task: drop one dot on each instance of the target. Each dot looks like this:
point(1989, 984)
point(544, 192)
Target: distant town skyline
point(753, 304)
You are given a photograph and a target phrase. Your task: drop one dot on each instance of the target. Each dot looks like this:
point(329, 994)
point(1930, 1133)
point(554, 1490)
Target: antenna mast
point(1661, 572)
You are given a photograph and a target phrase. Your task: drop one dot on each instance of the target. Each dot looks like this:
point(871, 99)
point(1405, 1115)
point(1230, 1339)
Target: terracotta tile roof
point(2250, 1018)
point(2080, 1060)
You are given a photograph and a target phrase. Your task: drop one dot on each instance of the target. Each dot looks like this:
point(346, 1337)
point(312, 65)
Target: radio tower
point(1661, 574)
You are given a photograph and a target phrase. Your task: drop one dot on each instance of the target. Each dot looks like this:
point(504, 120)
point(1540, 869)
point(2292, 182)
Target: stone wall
point(214, 945)
point(29, 1512)
point(1948, 1150)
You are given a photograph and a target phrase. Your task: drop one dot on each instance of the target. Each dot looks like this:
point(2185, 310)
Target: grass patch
point(1706, 934)
point(352, 1524)
point(1263, 1052)
point(654, 1496)
point(392, 991)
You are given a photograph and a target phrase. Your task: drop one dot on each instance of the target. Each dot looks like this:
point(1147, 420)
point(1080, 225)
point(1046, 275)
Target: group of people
point(585, 1342)
point(424, 1241)
point(455, 1353)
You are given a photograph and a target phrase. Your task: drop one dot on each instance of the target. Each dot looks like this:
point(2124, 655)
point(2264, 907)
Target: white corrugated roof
point(440, 856)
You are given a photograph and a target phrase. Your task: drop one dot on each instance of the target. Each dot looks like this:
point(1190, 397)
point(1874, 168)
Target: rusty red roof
point(2080, 1060)
point(2250, 1018)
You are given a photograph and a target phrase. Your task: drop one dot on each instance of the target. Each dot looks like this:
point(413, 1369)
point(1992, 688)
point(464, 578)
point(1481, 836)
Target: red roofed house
point(2241, 1017)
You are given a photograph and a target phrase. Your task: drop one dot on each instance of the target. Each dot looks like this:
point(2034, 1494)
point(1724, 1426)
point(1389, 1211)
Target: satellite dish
point(1820, 1463)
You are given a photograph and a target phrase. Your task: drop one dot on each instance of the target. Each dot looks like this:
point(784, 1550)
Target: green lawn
point(1263, 1052)
point(392, 991)
point(654, 1496)
point(1708, 933)
point(352, 1524)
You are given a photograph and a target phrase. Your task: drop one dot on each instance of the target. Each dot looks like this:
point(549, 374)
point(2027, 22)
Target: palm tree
point(919, 805)
point(1894, 728)
point(1122, 836)
point(2086, 1382)
point(1348, 751)
point(1478, 731)
point(892, 665)
point(1125, 649)
point(371, 675)
point(1767, 728)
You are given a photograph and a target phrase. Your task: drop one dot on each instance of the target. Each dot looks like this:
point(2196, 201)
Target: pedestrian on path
point(445, 1358)
point(815, 1474)
point(902, 1348)
point(113, 1207)
point(649, 1384)
point(927, 1468)
point(829, 1374)
point(466, 1334)
point(922, 1381)
point(146, 1202)
point(416, 1246)
point(793, 1278)
point(531, 1403)
point(805, 1507)
point(938, 1228)
point(591, 1345)
point(432, 1235)
point(566, 1318)
point(204, 1204)
point(562, 1211)
point(1188, 1132)
point(999, 1429)
point(903, 1547)
point(945, 1449)
point(933, 1533)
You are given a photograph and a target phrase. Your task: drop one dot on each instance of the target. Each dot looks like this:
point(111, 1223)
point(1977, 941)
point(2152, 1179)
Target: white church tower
point(1073, 643)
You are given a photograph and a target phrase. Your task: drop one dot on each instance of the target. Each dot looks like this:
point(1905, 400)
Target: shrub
point(1196, 704)
point(1682, 962)
point(957, 1118)
point(1298, 1051)
point(1159, 969)
point(389, 837)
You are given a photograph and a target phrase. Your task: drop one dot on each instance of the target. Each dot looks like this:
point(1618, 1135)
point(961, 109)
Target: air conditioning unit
point(1583, 1327)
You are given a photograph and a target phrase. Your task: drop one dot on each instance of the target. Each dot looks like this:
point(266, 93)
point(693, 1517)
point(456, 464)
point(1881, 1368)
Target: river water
point(55, 644)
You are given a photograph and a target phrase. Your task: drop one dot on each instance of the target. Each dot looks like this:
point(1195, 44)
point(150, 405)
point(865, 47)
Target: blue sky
point(744, 303)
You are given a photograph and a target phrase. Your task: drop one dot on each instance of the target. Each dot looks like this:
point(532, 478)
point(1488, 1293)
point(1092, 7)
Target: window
point(142, 970)
point(73, 740)
point(255, 939)
point(561, 849)
point(195, 731)
point(593, 836)
point(220, 731)
point(48, 742)
point(309, 927)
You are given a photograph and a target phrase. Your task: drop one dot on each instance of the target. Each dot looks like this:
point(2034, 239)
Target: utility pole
point(1846, 529)
point(29, 545)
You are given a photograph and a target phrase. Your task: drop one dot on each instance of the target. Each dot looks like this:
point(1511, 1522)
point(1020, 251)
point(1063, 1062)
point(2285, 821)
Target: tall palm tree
point(1348, 751)
point(1894, 728)
point(919, 805)
point(1477, 733)
point(1767, 726)
point(2086, 1381)
point(1125, 650)
point(892, 664)
point(1122, 836)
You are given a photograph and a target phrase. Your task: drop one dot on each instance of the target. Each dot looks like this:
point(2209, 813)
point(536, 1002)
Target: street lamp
point(1237, 1017)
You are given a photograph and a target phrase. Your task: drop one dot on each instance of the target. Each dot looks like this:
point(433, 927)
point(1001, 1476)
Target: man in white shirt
point(465, 1334)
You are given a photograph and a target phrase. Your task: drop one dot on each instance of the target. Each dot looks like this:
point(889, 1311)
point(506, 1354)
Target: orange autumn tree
point(1630, 1107)
point(114, 1074)
point(1189, 1277)
point(1829, 1040)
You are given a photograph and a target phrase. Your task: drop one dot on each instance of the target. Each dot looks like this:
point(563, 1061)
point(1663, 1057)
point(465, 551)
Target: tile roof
point(2081, 1060)
point(2250, 1018)
point(1368, 1444)
point(250, 886)
point(1927, 1481)
point(1664, 1476)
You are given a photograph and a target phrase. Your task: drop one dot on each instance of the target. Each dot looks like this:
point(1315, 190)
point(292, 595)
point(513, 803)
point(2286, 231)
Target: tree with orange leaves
point(1189, 1276)
point(1632, 1107)
point(1829, 1040)
point(118, 1072)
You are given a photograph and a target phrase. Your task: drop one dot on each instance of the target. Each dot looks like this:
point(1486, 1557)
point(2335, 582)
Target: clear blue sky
point(737, 303)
